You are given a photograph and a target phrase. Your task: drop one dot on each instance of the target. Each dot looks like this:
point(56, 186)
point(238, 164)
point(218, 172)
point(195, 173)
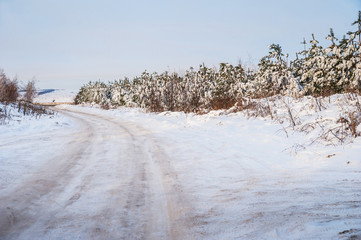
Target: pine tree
point(313, 78)
point(297, 66)
point(274, 76)
point(332, 38)
point(333, 76)
point(358, 32)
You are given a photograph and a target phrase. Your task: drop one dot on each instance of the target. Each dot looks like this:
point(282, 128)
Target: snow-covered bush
point(274, 76)
point(93, 92)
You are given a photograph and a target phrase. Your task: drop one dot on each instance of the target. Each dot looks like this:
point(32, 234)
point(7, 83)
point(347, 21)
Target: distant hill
point(55, 96)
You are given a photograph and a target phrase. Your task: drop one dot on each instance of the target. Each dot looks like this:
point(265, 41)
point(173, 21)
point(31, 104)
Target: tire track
point(111, 182)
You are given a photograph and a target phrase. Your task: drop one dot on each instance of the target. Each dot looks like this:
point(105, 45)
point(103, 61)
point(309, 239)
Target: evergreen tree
point(313, 78)
point(358, 32)
point(273, 75)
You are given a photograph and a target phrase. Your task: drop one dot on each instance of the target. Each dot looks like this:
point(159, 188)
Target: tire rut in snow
point(24, 202)
point(111, 182)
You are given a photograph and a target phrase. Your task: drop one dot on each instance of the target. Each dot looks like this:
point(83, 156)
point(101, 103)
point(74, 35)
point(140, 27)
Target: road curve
point(111, 181)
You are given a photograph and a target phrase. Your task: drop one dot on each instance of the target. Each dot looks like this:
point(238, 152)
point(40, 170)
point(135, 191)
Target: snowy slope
point(55, 96)
point(240, 177)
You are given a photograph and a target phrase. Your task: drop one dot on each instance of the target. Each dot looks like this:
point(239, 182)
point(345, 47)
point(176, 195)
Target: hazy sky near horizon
point(65, 44)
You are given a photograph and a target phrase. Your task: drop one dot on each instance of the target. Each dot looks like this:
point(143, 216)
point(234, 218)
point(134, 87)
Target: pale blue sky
point(65, 44)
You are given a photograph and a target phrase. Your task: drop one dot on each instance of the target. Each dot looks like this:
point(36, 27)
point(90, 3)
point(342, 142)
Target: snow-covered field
point(55, 96)
point(88, 173)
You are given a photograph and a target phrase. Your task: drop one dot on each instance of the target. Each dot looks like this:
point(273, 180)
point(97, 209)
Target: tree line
point(316, 71)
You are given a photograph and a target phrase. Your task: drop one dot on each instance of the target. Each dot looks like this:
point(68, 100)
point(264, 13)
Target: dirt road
point(109, 180)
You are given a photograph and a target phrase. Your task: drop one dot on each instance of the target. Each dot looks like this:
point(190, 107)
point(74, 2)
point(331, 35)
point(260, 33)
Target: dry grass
point(3, 115)
point(9, 110)
point(29, 109)
point(309, 115)
point(218, 103)
point(9, 93)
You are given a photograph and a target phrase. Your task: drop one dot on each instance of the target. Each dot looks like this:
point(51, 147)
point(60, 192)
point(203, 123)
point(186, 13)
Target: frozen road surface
point(125, 175)
point(109, 182)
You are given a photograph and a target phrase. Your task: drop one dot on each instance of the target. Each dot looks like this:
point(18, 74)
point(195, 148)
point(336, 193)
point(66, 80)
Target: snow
point(24, 140)
point(55, 96)
point(245, 180)
point(240, 177)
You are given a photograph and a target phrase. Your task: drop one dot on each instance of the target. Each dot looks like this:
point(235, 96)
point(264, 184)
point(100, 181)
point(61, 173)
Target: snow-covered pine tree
point(354, 60)
point(313, 78)
point(93, 92)
point(357, 32)
point(346, 51)
point(114, 93)
point(333, 77)
point(273, 75)
point(225, 90)
point(205, 80)
point(297, 66)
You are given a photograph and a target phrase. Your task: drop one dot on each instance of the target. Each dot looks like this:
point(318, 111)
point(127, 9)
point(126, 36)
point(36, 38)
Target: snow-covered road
point(108, 181)
point(125, 174)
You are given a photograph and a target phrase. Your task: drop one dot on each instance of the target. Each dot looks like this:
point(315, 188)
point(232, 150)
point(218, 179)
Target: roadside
point(130, 174)
point(102, 180)
point(243, 179)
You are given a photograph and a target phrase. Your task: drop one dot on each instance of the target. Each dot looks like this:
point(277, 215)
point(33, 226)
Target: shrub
point(30, 91)
point(8, 88)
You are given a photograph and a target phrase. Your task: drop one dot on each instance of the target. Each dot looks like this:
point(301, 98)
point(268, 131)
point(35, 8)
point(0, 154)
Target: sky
point(65, 44)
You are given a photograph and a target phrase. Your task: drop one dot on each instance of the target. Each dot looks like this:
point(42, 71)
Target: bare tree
point(8, 88)
point(30, 91)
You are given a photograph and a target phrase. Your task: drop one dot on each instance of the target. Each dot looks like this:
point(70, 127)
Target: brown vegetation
point(30, 91)
point(8, 88)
